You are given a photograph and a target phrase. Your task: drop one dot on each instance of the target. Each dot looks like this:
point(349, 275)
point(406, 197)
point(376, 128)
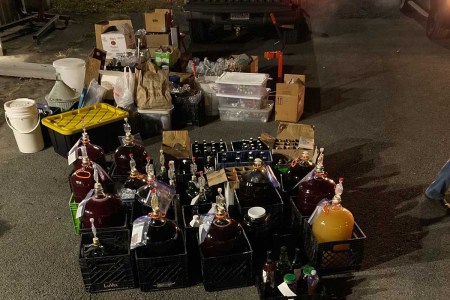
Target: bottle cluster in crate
point(286, 144)
point(226, 224)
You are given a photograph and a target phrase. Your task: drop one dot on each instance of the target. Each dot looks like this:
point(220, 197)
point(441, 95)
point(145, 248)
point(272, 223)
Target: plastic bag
point(124, 89)
point(94, 94)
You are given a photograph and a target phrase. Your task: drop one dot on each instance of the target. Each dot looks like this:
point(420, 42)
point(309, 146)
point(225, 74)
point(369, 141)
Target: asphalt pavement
point(377, 93)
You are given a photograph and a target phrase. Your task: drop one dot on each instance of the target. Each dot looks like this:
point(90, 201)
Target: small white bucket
point(22, 117)
point(72, 71)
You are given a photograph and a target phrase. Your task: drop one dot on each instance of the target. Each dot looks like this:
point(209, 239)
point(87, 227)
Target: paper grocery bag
point(152, 88)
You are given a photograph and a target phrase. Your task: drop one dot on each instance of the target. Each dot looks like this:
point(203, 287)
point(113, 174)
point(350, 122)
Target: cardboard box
point(290, 98)
point(102, 26)
point(158, 21)
point(117, 39)
point(156, 40)
point(167, 58)
point(176, 145)
point(290, 131)
point(94, 63)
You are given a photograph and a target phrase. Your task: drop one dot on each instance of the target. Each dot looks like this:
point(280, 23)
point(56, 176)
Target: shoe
point(443, 202)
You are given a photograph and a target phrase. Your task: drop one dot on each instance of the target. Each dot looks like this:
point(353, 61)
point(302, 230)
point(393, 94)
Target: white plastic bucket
point(72, 71)
point(22, 117)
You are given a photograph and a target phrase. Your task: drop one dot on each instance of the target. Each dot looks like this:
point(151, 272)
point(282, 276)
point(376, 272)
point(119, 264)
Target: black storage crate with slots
point(114, 271)
point(103, 122)
point(242, 158)
point(202, 150)
point(107, 229)
point(229, 271)
point(163, 272)
point(188, 111)
point(249, 144)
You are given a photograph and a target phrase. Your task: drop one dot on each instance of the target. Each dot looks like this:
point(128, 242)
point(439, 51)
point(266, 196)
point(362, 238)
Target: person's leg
point(439, 186)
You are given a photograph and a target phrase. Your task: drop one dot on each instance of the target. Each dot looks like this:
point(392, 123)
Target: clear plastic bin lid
point(244, 97)
point(257, 79)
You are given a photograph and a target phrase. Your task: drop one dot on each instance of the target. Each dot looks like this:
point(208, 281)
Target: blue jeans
point(439, 186)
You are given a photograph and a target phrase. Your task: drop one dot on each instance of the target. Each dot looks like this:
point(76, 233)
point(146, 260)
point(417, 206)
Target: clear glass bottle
point(283, 265)
point(82, 180)
point(333, 221)
point(193, 166)
point(209, 166)
point(95, 249)
point(312, 191)
point(122, 154)
point(298, 169)
point(268, 275)
point(162, 176)
point(107, 210)
point(143, 193)
point(95, 153)
point(202, 198)
point(222, 235)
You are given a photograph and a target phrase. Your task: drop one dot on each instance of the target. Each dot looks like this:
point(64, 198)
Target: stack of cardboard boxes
point(159, 34)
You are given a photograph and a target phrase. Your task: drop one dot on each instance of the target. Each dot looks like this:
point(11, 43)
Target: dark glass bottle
point(163, 234)
point(312, 191)
point(82, 180)
point(257, 222)
point(283, 265)
point(255, 185)
point(107, 210)
point(298, 169)
point(268, 275)
point(222, 236)
point(297, 264)
point(209, 166)
point(192, 188)
point(122, 154)
point(134, 181)
point(95, 153)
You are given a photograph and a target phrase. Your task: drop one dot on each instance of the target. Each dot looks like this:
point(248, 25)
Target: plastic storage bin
point(242, 84)
point(247, 102)
point(110, 272)
point(154, 121)
point(103, 122)
point(248, 115)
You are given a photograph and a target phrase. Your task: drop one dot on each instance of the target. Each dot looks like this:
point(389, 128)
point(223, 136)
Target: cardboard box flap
point(268, 139)
point(216, 177)
point(288, 77)
point(303, 132)
point(177, 143)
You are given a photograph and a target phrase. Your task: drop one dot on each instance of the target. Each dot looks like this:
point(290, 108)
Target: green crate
point(73, 211)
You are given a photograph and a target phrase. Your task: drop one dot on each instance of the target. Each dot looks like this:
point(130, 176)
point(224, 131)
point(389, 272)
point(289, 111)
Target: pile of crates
point(243, 97)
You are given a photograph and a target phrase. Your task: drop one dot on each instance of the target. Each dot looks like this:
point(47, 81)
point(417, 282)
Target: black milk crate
point(297, 219)
point(275, 208)
point(265, 155)
point(114, 176)
point(191, 234)
point(173, 213)
point(162, 272)
point(238, 145)
point(328, 259)
point(108, 229)
point(110, 272)
point(228, 271)
point(182, 185)
point(186, 113)
point(200, 156)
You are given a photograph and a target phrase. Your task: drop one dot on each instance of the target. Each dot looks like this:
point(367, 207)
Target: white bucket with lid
point(72, 71)
point(22, 117)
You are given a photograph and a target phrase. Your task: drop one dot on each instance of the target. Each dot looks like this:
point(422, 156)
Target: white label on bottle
point(285, 290)
point(201, 234)
point(137, 235)
point(195, 199)
point(72, 156)
point(82, 204)
point(264, 276)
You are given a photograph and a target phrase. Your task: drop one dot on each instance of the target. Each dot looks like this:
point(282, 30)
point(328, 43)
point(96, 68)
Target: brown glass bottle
point(107, 210)
point(95, 153)
point(122, 154)
point(222, 236)
point(268, 275)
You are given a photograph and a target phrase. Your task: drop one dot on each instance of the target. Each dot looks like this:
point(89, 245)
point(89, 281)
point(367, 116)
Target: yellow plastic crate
point(103, 122)
point(93, 116)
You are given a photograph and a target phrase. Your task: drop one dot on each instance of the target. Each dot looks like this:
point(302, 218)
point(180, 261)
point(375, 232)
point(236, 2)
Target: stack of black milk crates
point(114, 269)
point(232, 270)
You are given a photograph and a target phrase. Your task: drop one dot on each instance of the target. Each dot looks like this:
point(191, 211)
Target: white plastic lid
point(256, 212)
point(69, 63)
point(258, 79)
point(20, 104)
